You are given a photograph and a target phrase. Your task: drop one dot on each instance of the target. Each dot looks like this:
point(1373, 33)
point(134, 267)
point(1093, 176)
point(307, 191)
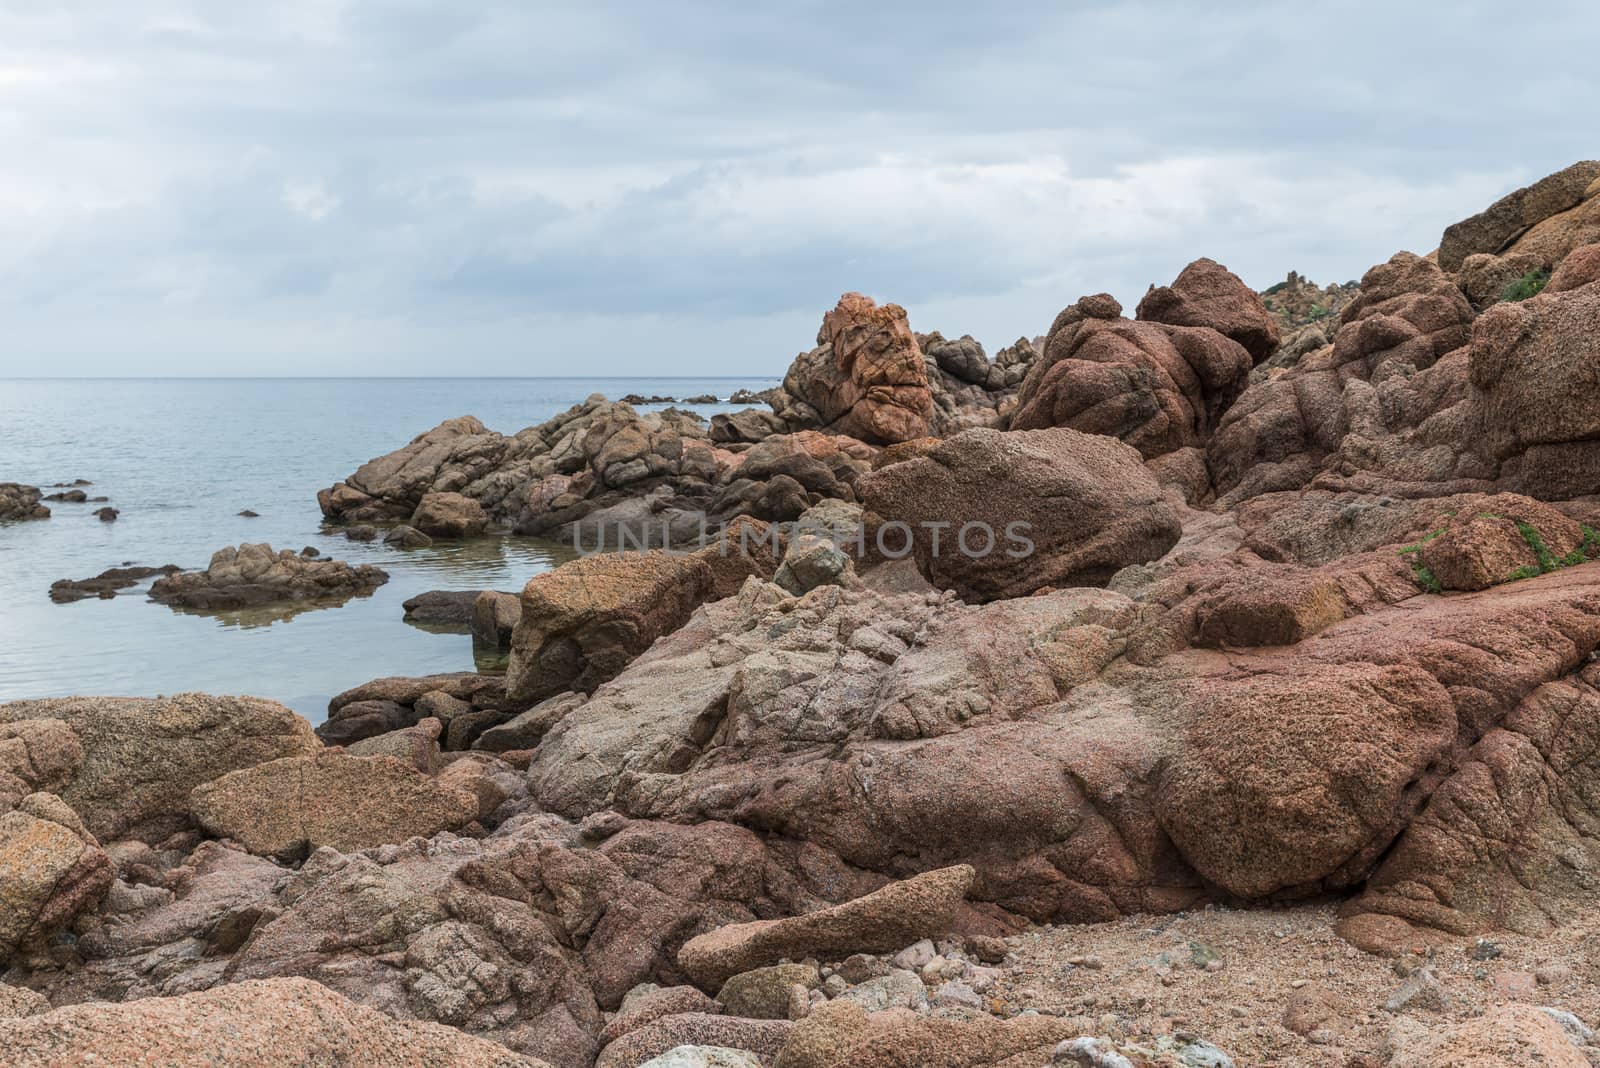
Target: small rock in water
point(248, 514)
point(107, 515)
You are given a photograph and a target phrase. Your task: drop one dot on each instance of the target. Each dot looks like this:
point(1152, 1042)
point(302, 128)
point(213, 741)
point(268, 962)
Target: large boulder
point(1205, 293)
point(1535, 402)
point(244, 1025)
point(285, 807)
point(887, 919)
point(21, 502)
point(1497, 226)
point(866, 379)
point(142, 756)
point(253, 575)
point(1158, 387)
point(1023, 510)
point(51, 870)
point(449, 515)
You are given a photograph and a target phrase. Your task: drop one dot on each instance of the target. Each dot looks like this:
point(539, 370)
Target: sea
point(180, 459)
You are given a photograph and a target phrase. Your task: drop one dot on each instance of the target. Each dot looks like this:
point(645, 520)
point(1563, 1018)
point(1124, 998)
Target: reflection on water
point(265, 615)
point(180, 459)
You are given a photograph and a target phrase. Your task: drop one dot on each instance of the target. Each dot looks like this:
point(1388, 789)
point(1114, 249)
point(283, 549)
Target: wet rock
point(449, 515)
point(494, 618)
point(407, 537)
point(106, 584)
point(360, 533)
point(897, 914)
point(253, 575)
point(286, 807)
point(449, 608)
point(107, 515)
point(21, 502)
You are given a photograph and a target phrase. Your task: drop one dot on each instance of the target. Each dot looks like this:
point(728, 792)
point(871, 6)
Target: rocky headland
point(1197, 688)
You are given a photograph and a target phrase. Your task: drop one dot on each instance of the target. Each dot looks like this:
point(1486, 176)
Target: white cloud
point(364, 187)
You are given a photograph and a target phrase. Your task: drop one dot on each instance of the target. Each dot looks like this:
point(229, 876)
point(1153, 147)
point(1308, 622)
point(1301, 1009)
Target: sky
point(480, 188)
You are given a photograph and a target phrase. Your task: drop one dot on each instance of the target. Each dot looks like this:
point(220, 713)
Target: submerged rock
point(106, 584)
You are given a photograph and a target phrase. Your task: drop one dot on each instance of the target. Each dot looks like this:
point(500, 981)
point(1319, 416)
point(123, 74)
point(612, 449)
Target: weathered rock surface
point(51, 870)
point(1157, 386)
point(253, 575)
point(441, 608)
point(866, 379)
point(841, 1035)
point(285, 807)
point(1495, 228)
point(21, 502)
point(142, 756)
point(1207, 294)
point(894, 916)
point(584, 621)
point(1051, 507)
point(243, 1025)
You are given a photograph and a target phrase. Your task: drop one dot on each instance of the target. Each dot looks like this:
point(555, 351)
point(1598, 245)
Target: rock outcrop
point(21, 502)
point(1207, 294)
point(449, 515)
point(140, 757)
point(866, 378)
point(1498, 227)
point(253, 574)
point(107, 584)
point(1157, 386)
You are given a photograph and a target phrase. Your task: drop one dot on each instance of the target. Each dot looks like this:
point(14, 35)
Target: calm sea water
point(180, 458)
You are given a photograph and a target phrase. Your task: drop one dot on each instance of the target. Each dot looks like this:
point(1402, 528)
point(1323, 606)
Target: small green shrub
point(1420, 542)
point(1317, 313)
point(1529, 285)
point(1531, 535)
point(1527, 571)
point(1279, 288)
point(1425, 579)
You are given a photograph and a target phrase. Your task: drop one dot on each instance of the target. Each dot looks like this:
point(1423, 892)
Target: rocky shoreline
point(1215, 686)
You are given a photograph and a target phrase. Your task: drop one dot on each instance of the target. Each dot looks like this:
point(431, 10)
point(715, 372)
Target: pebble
point(1421, 991)
point(1092, 963)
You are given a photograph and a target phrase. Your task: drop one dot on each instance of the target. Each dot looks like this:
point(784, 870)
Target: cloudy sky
point(456, 187)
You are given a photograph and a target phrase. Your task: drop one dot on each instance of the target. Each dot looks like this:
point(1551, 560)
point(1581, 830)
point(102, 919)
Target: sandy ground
point(1145, 975)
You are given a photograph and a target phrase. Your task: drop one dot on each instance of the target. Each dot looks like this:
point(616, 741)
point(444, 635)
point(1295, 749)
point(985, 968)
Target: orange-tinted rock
point(868, 379)
point(1492, 229)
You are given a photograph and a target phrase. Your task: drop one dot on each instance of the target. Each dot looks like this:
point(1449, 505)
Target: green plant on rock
point(1425, 578)
point(1317, 313)
point(1529, 285)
